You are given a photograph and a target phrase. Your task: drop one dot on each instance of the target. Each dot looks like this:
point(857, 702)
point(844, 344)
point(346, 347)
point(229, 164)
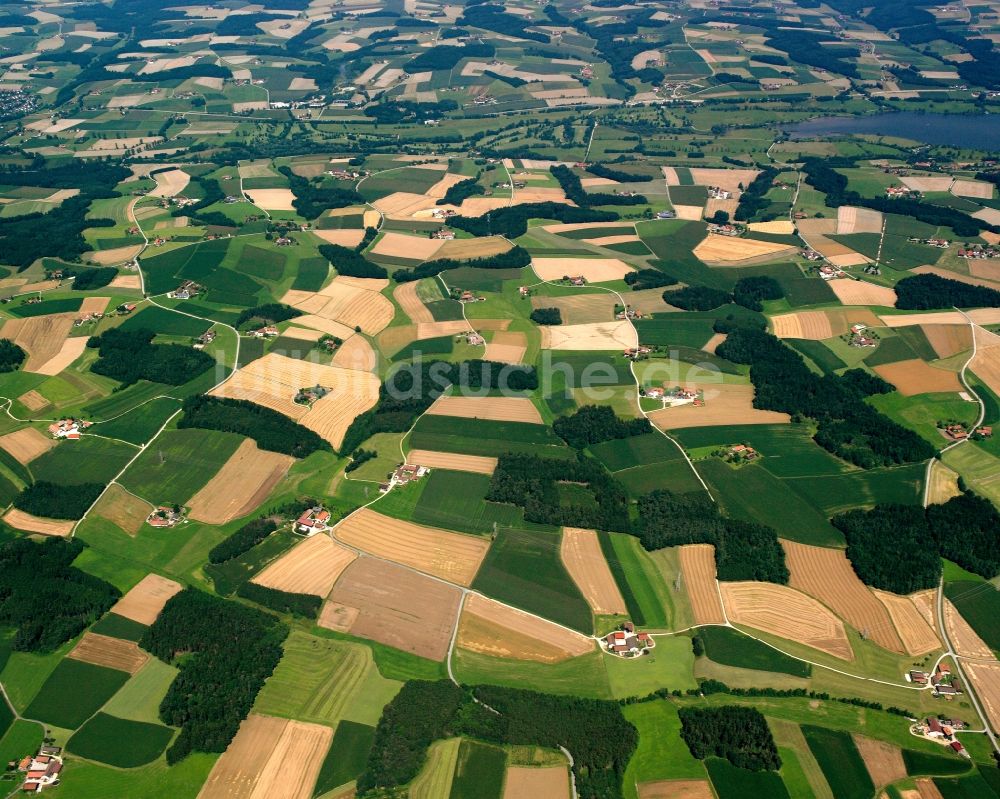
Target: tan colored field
point(450, 556)
point(964, 639)
point(409, 300)
point(404, 205)
point(311, 567)
point(986, 364)
point(827, 575)
point(581, 309)
point(325, 325)
point(883, 760)
point(985, 678)
point(273, 380)
point(345, 303)
point(978, 276)
point(819, 325)
point(272, 199)
point(122, 509)
point(604, 241)
point(816, 233)
point(942, 485)
point(92, 305)
point(569, 227)
point(926, 789)
point(782, 227)
point(926, 604)
point(917, 377)
point(860, 292)
point(595, 270)
point(170, 183)
point(72, 348)
point(376, 284)
point(448, 179)
point(492, 628)
point(595, 336)
point(582, 556)
point(41, 337)
point(466, 249)
point(114, 653)
point(345, 237)
point(851, 219)
point(36, 524)
point(497, 409)
point(981, 316)
point(32, 400)
point(256, 765)
point(525, 782)
point(356, 353)
point(714, 342)
point(692, 213)
point(698, 578)
point(401, 245)
point(372, 218)
point(676, 789)
point(725, 403)
point(479, 464)
point(730, 249)
point(948, 340)
point(144, 601)
point(787, 613)
point(27, 443)
point(240, 486)
point(926, 183)
point(728, 179)
point(116, 255)
point(126, 282)
point(916, 634)
point(979, 189)
point(985, 269)
point(506, 347)
point(396, 606)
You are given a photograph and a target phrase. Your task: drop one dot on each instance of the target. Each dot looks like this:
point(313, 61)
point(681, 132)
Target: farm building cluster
point(942, 731)
point(403, 474)
point(42, 770)
point(313, 520)
point(69, 428)
point(625, 642)
point(166, 516)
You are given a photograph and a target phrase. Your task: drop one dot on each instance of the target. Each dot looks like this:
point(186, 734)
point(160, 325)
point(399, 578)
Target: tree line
point(312, 198)
point(11, 356)
point(351, 262)
point(748, 292)
point(574, 190)
point(515, 258)
point(130, 355)
point(593, 424)
point(513, 220)
point(925, 292)
point(738, 733)
point(55, 501)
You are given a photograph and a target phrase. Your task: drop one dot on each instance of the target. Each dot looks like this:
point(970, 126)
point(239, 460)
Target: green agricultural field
point(731, 782)
point(923, 411)
point(646, 598)
point(456, 501)
point(675, 329)
point(165, 322)
point(978, 467)
point(971, 787)
point(733, 648)
point(116, 626)
point(821, 355)
point(228, 576)
point(891, 349)
point(347, 757)
point(479, 773)
point(140, 425)
point(96, 781)
point(89, 460)
point(22, 738)
point(485, 437)
point(979, 603)
point(584, 676)
point(841, 763)
point(753, 493)
point(525, 569)
point(857, 489)
point(924, 764)
point(45, 307)
point(661, 754)
point(139, 699)
point(178, 463)
point(127, 399)
point(409, 179)
point(435, 779)
point(119, 742)
point(74, 692)
point(669, 665)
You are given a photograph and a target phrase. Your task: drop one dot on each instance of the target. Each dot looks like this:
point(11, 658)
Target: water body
point(981, 132)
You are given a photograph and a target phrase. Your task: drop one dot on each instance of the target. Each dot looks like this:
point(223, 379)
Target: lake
point(980, 132)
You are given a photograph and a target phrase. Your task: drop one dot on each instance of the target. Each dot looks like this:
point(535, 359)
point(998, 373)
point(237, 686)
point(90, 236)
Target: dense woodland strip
point(593, 424)
point(574, 191)
point(131, 355)
point(514, 258)
point(11, 356)
point(739, 734)
point(513, 221)
point(350, 262)
point(56, 501)
point(927, 292)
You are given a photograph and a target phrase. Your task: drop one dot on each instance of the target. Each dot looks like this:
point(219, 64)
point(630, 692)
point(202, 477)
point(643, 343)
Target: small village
point(69, 428)
point(40, 771)
point(166, 516)
point(941, 731)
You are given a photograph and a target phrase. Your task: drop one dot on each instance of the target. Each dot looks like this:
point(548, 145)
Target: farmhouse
point(917, 677)
point(205, 338)
point(41, 771)
point(637, 352)
point(811, 255)
point(653, 393)
point(68, 428)
point(679, 395)
point(268, 331)
point(314, 520)
point(726, 230)
point(166, 516)
point(444, 234)
point(403, 474)
point(126, 308)
point(715, 193)
point(741, 453)
point(626, 642)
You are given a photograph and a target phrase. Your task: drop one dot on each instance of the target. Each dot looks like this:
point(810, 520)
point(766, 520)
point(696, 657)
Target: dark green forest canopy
point(739, 734)
point(131, 355)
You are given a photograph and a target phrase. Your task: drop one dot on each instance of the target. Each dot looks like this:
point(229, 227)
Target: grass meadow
point(120, 742)
point(479, 773)
point(74, 692)
point(731, 648)
point(841, 762)
point(731, 782)
point(347, 757)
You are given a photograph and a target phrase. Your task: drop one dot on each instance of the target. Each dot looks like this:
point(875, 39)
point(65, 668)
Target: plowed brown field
point(114, 653)
point(40, 336)
point(27, 443)
point(725, 403)
point(506, 347)
point(497, 409)
point(311, 567)
point(123, 509)
point(698, 576)
point(860, 292)
point(582, 556)
point(676, 789)
point(594, 270)
point(917, 377)
point(240, 486)
point(408, 299)
point(524, 782)
point(883, 760)
point(32, 400)
point(36, 524)
point(146, 599)
point(948, 340)
point(580, 309)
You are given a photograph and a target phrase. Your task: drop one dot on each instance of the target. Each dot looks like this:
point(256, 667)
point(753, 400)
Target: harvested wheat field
point(170, 183)
point(492, 628)
point(114, 653)
point(782, 227)
point(725, 403)
point(692, 213)
point(582, 556)
point(727, 179)
point(964, 639)
point(314, 322)
point(311, 567)
point(915, 376)
point(819, 325)
point(851, 219)
point(448, 179)
point(272, 199)
point(605, 336)
point(787, 613)
point(256, 765)
point(712, 344)
point(816, 233)
point(272, 381)
point(732, 250)
point(827, 575)
point(467, 249)
point(355, 353)
point(20, 520)
point(676, 789)
point(972, 279)
point(942, 485)
point(527, 782)
point(126, 282)
point(883, 760)
point(986, 364)
point(569, 227)
point(124, 510)
point(497, 409)
point(977, 189)
point(32, 400)
point(698, 577)
point(27, 443)
point(580, 309)
point(604, 241)
point(450, 556)
point(403, 204)
point(506, 347)
point(985, 678)
point(926, 183)
point(948, 340)
point(346, 303)
point(345, 237)
point(240, 486)
point(860, 292)
point(41, 337)
point(401, 245)
point(926, 604)
point(593, 270)
point(409, 300)
point(146, 599)
point(477, 464)
point(397, 607)
point(917, 635)
point(981, 316)
point(926, 789)
point(71, 349)
point(116, 255)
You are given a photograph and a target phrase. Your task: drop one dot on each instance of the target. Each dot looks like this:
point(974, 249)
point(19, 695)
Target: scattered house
point(715, 193)
point(741, 453)
point(628, 312)
point(678, 395)
point(954, 430)
point(314, 520)
point(957, 747)
point(468, 296)
point(666, 215)
point(978, 253)
point(858, 338)
point(828, 272)
point(205, 338)
point(653, 393)
point(443, 234)
point(587, 72)
point(68, 428)
point(284, 241)
point(944, 683)
point(474, 339)
point(409, 472)
point(982, 432)
point(575, 280)
point(524, 291)
point(900, 192)
point(125, 308)
point(726, 230)
point(267, 331)
point(166, 516)
point(800, 215)
point(637, 353)
point(917, 677)
point(41, 771)
point(811, 255)
point(307, 396)
point(185, 290)
point(626, 642)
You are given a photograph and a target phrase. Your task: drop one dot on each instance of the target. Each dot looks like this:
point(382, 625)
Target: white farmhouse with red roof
point(314, 520)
